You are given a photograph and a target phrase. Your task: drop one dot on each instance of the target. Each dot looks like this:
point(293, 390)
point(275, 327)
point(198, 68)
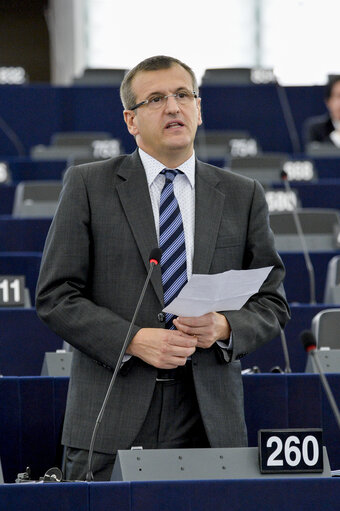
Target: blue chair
point(7, 198)
point(332, 284)
point(24, 169)
point(23, 235)
point(24, 339)
point(38, 199)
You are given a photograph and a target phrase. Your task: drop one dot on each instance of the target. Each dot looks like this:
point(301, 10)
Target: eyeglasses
point(183, 98)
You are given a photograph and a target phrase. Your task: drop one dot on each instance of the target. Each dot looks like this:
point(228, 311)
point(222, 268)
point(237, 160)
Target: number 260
point(293, 451)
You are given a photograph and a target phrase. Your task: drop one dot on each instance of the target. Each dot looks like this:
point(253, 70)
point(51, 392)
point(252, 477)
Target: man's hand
point(208, 328)
point(164, 349)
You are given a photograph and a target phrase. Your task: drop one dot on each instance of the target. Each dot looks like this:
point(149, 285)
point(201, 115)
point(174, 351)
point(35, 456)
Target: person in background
point(325, 128)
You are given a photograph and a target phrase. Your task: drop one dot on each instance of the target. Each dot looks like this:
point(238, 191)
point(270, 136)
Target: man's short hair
point(151, 64)
point(333, 79)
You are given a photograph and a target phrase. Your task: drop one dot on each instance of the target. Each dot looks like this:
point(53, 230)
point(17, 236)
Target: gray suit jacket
point(94, 265)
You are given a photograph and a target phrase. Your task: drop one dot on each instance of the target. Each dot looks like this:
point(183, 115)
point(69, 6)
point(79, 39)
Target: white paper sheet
point(220, 292)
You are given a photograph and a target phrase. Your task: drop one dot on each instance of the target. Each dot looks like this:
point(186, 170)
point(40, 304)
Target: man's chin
point(179, 145)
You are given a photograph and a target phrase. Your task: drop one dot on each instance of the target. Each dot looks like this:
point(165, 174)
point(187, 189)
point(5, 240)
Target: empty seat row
point(22, 242)
point(263, 166)
point(24, 339)
point(321, 227)
point(307, 195)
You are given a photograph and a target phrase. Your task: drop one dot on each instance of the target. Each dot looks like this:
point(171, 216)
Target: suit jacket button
point(161, 317)
point(241, 355)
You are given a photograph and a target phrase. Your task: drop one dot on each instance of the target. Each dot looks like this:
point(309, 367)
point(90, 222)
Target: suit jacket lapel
point(135, 198)
point(208, 211)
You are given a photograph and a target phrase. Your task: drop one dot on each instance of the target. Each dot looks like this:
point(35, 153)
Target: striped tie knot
point(170, 174)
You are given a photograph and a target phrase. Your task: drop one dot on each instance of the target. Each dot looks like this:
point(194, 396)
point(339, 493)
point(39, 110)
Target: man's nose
point(171, 105)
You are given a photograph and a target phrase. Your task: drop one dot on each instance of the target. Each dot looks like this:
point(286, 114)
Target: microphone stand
point(288, 118)
point(301, 235)
point(12, 136)
point(288, 369)
point(309, 343)
point(326, 386)
point(154, 260)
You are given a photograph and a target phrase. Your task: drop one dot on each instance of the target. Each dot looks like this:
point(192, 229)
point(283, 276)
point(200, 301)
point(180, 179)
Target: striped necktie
point(172, 244)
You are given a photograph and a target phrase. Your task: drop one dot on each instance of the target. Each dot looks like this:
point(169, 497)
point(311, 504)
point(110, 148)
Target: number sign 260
point(291, 450)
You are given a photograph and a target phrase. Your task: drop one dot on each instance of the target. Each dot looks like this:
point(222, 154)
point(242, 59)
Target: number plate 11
point(290, 450)
point(12, 290)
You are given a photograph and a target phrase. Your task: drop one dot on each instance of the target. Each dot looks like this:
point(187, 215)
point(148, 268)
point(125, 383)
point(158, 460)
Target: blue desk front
point(265, 494)
point(32, 410)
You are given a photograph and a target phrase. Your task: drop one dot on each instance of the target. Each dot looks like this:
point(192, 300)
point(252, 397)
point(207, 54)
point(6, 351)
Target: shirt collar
point(336, 124)
point(153, 167)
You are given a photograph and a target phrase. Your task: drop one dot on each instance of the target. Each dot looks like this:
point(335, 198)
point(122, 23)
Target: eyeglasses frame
point(147, 101)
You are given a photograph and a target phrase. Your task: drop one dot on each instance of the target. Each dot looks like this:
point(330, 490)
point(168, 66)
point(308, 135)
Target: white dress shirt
point(335, 135)
point(184, 190)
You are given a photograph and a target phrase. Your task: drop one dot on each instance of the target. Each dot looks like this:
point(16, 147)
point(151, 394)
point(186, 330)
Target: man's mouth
point(174, 124)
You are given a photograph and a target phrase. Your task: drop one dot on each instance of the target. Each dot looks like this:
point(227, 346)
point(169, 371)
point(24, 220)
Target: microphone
point(309, 343)
point(309, 265)
point(154, 259)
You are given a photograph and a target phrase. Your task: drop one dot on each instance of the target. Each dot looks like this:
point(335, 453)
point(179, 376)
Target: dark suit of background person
point(320, 128)
point(93, 269)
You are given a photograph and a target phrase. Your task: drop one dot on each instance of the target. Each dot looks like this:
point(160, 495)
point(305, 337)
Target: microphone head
point(276, 369)
point(308, 340)
point(155, 255)
point(284, 175)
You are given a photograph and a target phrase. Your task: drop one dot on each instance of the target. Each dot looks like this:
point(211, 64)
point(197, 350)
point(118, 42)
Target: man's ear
point(199, 119)
point(130, 121)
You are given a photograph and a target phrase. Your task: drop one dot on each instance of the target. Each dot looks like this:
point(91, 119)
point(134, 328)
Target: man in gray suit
point(177, 387)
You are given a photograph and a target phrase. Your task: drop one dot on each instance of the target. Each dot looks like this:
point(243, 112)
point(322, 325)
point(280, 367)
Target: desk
point(226, 495)
point(32, 410)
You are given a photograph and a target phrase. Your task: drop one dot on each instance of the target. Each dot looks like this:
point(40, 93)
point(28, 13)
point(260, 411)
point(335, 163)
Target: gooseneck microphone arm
point(288, 118)
point(288, 369)
point(301, 235)
point(309, 343)
point(154, 259)
point(12, 136)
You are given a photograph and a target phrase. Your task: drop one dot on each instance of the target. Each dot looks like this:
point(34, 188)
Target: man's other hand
point(208, 328)
point(164, 349)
